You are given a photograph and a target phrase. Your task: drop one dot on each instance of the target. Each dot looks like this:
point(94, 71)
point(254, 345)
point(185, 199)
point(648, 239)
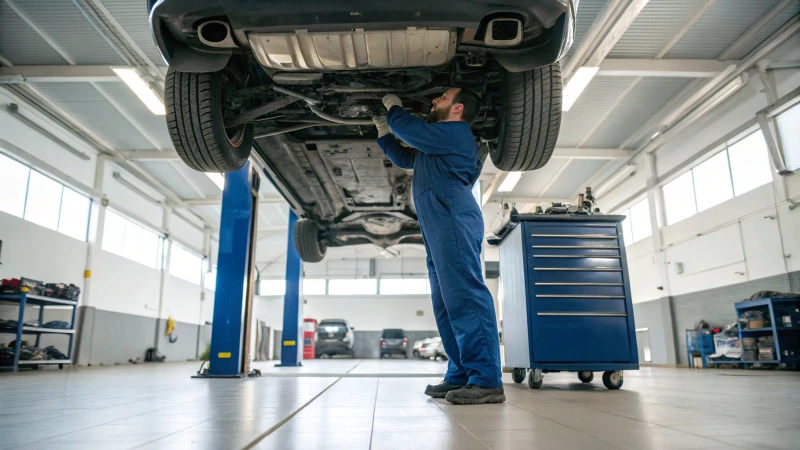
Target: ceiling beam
point(604, 34)
point(150, 155)
point(590, 153)
point(217, 200)
point(682, 68)
point(60, 73)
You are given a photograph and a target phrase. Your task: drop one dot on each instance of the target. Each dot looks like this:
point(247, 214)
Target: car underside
point(301, 98)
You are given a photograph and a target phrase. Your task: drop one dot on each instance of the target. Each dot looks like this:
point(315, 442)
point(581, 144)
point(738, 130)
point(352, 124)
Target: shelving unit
point(786, 338)
point(42, 302)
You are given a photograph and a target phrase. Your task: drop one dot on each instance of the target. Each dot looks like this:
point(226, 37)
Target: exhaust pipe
point(503, 32)
point(216, 33)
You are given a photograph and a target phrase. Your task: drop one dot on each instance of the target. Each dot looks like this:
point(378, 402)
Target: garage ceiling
point(619, 109)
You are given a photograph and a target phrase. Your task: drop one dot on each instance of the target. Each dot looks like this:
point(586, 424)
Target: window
point(183, 264)
point(44, 200)
point(405, 286)
point(363, 286)
point(28, 194)
point(314, 286)
point(130, 240)
point(272, 287)
point(640, 221)
point(740, 168)
point(13, 186)
point(750, 166)
point(74, 217)
point(712, 182)
point(210, 280)
point(679, 198)
point(637, 226)
point(790, 136)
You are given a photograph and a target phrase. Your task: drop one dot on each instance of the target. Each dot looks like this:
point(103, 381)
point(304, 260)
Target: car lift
point(233, 299)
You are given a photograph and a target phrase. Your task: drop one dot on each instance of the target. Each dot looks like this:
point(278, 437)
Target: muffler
point(216, 33)
point(503, 32)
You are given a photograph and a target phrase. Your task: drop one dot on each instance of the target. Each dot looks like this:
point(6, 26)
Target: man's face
point(440, 110)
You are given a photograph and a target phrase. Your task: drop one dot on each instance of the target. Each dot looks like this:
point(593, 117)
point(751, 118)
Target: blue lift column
point(292, 336)
point(234, 292)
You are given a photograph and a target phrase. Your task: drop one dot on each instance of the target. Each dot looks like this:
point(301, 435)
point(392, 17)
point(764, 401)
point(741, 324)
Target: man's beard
point(438, 114)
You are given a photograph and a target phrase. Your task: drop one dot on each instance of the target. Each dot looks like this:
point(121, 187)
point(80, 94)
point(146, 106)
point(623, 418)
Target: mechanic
point(446, 166)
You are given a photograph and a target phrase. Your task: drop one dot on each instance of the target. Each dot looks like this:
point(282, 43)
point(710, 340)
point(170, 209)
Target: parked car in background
point(394, 342)
point(334, 337)
point(433, 349)
point(415, 351)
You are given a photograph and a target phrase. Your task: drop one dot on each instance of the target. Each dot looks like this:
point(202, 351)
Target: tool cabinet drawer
point(586, 262)
point(549, 275)
point(575, 289)
point(571, 230)
point(560, 337)
point(579, 305)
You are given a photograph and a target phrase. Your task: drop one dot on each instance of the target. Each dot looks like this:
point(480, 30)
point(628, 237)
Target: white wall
point(33, 251)
point(751, 236)
point(118, 284)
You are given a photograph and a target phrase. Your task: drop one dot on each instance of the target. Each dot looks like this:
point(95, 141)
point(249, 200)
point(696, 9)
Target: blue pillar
point(292, 336)
point(226, 357)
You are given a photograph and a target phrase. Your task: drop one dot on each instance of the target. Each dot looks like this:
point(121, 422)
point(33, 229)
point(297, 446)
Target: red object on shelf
point(309, 334)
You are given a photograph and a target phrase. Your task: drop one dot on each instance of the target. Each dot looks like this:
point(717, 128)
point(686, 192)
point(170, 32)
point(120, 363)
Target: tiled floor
point(353, 404)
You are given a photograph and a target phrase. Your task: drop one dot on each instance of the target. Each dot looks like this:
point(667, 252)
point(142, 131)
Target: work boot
point(441, 389)
point(472, 394)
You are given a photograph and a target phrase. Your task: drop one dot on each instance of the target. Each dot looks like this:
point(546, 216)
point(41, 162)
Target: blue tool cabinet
point(566, 297)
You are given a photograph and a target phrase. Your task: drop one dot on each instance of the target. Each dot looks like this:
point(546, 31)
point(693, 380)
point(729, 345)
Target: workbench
point(566, 297)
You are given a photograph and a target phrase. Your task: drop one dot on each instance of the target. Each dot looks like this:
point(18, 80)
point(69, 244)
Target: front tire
point(196, 114)
point(306, 241)
point(613, 379)
point(586, 376)
point(530, 119)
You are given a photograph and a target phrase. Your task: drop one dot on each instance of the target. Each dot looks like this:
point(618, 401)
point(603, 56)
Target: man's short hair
point(471, 102)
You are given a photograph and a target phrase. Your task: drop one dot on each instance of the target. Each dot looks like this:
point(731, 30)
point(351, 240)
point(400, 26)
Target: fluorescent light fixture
point(655, 135)
point(218, 179)
point(141, 89)
point(511, 180)
point(576, 85)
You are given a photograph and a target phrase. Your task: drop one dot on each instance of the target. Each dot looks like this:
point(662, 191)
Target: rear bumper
point(394, 350)
point(174, 24)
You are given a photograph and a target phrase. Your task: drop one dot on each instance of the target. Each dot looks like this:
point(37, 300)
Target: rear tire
point(196, 117)
point(306, 241)
point(530, 119)
point(586, 376)
point(518, 375)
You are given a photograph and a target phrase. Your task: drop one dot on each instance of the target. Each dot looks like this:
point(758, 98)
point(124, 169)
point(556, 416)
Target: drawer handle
point(578, 284)
point(575, 256)
point(587, 269)
point(577, 296)
point(590, 247)
point(581, 314)
point(579, 236)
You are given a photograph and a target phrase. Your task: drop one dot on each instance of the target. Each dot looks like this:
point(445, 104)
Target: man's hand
point(392, 100)
point(381, 125)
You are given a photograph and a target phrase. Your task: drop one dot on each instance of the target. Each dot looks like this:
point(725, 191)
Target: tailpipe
point(216, 33)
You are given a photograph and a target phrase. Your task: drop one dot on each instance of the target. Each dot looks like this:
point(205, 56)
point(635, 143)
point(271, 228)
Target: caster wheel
point(535, 379)
point(612, 380)
point(518, 375)
point(586, 376)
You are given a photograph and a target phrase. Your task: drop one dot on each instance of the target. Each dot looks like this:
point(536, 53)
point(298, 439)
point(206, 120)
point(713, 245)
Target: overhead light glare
point(141, 89)
point(576, 85)
point(655, 135)
point(511, 180)
point(217, 178)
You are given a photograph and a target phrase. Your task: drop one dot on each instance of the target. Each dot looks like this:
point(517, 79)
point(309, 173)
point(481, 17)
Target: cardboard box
point(728, 346)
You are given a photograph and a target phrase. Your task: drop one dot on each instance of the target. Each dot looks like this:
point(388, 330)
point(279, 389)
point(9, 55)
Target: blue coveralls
point(446, 166)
